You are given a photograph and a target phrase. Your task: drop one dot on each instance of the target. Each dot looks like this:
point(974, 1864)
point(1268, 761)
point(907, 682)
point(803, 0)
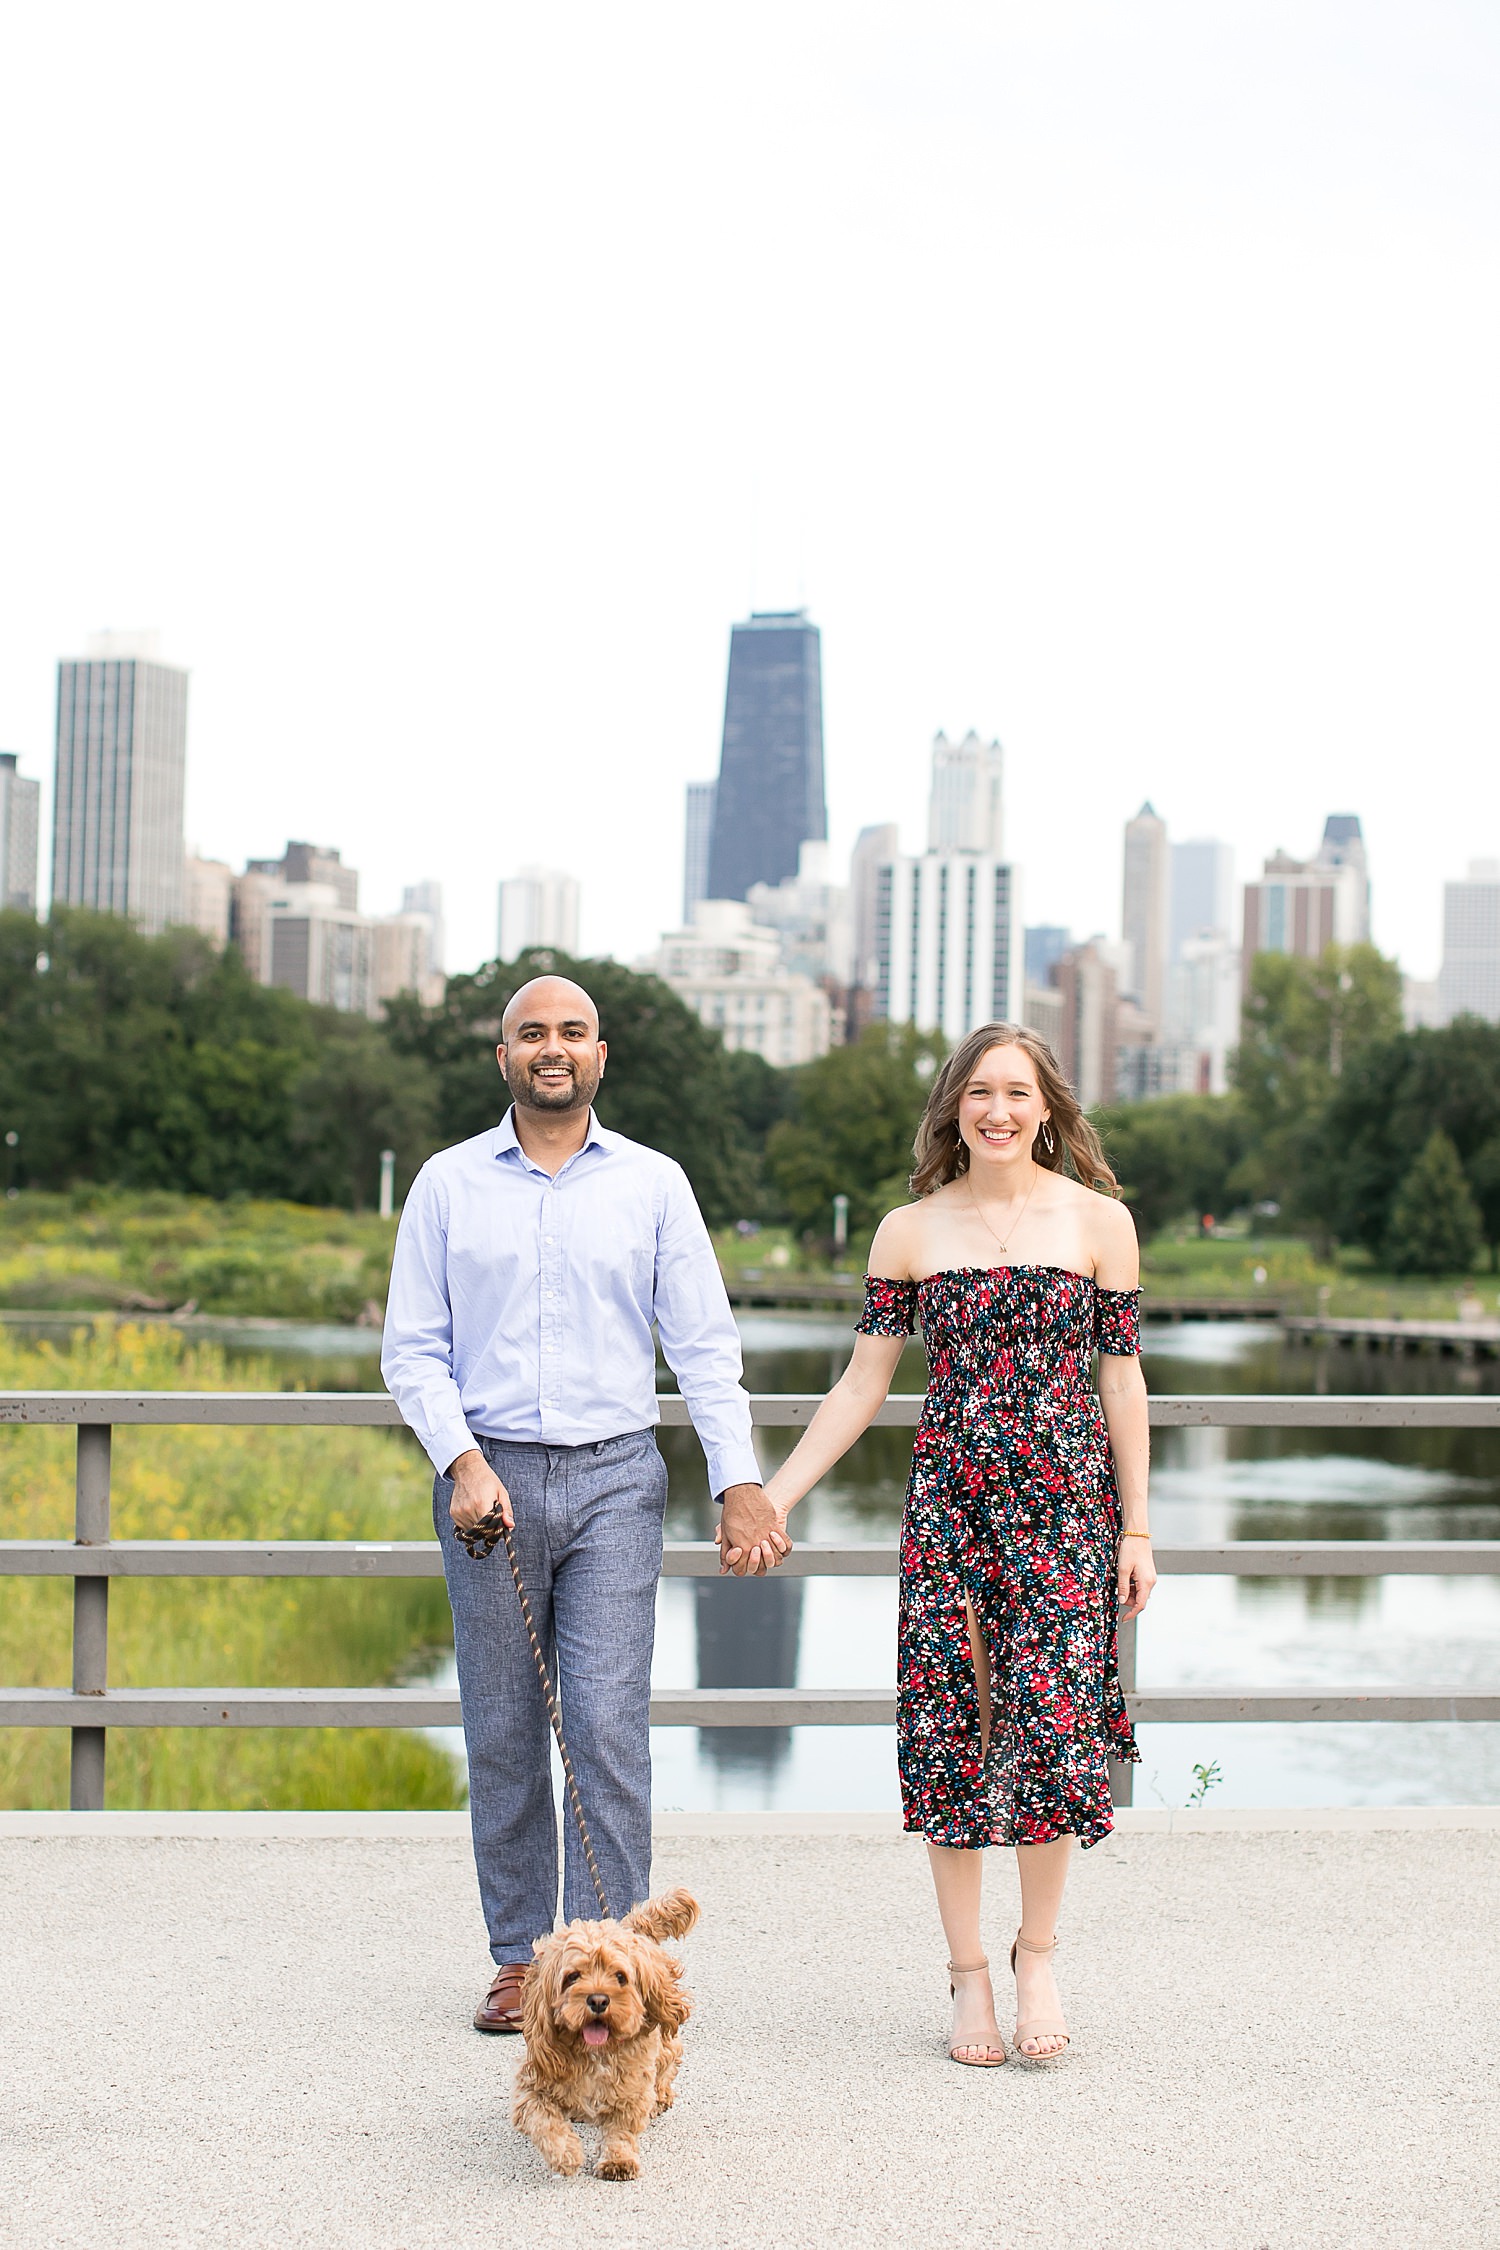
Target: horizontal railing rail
point(699, 1558)
point(92, 1558)
point(770, 1409)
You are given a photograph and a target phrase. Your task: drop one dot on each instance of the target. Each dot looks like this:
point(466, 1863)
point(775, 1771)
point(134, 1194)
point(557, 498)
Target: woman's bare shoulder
point(1113, 1241)
point(894, 1250)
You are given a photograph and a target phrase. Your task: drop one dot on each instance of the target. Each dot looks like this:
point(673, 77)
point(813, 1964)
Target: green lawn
point(1179, 1265)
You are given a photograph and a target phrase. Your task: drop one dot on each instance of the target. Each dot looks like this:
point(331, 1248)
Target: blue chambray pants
point(589, 1543)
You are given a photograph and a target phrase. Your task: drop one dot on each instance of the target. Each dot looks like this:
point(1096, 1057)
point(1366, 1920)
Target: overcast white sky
point(443, 380)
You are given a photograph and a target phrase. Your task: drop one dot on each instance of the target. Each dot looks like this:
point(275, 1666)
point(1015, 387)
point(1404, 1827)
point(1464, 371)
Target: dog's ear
point(662, 1995)
point(539, 1998)
point(670, 1916)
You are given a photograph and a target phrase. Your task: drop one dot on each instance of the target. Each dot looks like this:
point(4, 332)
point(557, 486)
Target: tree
point(1174, 1157)
point(154, 1062)
point(354, 1100)
point(1388, 1101)
point(854, 1117)
point(1304, 1025)
point(1483, 1173)
point(1435, 1225)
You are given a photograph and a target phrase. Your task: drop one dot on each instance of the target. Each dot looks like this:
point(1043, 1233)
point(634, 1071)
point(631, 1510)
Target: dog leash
point(479, 1540)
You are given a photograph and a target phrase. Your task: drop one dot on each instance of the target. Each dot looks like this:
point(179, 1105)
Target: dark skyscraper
point(770, 793)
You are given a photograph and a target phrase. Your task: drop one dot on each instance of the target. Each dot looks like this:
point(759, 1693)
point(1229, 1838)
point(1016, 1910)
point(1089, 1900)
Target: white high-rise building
point(810, 914)
point(698, 835)
point(1202, 892)
point(948, 939)
point(1144, 911)
point(427, 898)
point(1469, 980)
point(1203, 1011)
point(401, 960)
point(949, 948)
point(120, 778)
point(1343, 846)
point(966, 804)
point(729, 971)
point(874, 848)
point(538, 906)
point(20, 816)
point(208, 893)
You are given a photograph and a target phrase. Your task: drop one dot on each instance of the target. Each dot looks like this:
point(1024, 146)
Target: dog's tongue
point(596, 2034)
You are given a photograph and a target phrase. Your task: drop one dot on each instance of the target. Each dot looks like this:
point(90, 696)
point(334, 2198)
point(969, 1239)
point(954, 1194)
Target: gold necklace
point(1020, 1215)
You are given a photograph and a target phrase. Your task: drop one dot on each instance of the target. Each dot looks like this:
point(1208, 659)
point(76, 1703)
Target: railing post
point(90, 1613)
point(1121, 1776)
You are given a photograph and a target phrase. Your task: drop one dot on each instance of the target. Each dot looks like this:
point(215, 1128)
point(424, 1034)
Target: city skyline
point(1127, 525)
point(120, 708)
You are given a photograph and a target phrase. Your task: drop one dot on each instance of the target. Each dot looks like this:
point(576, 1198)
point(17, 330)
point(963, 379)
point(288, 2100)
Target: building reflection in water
point(749, 1630)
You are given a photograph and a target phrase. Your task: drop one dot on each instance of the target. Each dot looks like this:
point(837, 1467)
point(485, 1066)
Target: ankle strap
point(1027, 1947)
point(966, 1969)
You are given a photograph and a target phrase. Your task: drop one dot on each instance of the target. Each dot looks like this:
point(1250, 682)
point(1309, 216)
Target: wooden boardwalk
point(1464, 1339)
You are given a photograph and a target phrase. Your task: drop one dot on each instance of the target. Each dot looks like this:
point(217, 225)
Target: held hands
point(477, 1489)
point(1135, 1575)
point(751, 1532)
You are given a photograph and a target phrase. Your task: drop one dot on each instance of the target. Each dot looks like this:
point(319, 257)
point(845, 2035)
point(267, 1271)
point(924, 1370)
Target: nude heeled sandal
point(1037, 2028)
point(971, 2062)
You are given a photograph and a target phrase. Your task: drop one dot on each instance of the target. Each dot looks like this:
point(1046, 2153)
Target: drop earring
point(1048, 1143)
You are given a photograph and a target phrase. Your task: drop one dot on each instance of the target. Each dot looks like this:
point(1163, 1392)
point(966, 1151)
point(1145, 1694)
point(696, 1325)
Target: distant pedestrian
point(1025, 1521)
point(530, 1266)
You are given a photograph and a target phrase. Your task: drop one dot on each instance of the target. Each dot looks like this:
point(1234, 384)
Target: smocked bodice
point(1021, 1338)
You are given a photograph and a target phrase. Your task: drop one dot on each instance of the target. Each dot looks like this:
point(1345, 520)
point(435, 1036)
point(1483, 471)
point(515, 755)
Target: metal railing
point(91, 1559)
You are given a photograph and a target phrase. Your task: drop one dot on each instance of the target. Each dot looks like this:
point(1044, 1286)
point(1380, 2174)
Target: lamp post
point(387, 1183)
point(840, 1225)
point(12, 1143)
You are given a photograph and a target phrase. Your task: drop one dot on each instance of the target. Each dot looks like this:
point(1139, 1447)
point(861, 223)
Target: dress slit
point(1008, 1547)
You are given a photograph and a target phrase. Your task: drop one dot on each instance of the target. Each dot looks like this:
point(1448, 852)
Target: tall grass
point(198, 1483)
point(107, 1248)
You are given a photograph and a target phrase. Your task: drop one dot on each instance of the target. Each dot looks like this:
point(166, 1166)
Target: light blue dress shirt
point(521, 1305)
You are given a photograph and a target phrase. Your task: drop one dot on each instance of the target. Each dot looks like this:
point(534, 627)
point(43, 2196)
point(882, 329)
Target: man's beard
point(577, 1093)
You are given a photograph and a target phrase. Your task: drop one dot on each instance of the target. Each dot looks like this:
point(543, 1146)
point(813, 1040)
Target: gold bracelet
point(1135, 1535)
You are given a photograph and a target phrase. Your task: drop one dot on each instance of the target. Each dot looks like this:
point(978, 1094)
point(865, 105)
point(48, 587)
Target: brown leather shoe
point(500, 2009)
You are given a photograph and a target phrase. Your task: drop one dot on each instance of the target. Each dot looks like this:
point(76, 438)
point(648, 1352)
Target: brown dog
point(602, 2009)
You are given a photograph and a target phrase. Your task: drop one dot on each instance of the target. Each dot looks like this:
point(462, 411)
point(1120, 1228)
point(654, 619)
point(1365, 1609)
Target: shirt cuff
point(446, 1443)
point(733, 1464)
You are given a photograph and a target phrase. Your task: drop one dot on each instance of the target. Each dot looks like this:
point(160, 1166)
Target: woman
point(1025, 1519)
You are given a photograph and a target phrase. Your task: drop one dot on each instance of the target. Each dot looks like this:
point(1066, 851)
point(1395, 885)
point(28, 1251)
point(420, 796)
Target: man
point(530, 1265)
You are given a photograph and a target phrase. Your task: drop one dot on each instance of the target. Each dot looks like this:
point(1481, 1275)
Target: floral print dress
point(1012, 1507)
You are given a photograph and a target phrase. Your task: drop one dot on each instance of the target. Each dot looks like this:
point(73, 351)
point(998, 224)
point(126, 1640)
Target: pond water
point(1207, 1484)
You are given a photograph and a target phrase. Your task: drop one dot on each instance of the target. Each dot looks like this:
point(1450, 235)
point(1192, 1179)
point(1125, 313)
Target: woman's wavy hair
point(941, 1152)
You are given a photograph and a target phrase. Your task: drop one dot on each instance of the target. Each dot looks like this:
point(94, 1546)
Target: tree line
point(158, 1063)
point(1340, 1125)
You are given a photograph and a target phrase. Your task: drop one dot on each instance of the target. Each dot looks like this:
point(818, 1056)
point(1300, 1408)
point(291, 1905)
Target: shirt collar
point(507, 1143)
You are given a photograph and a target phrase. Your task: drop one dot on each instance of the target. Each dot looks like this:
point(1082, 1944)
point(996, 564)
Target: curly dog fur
point(602, 2009)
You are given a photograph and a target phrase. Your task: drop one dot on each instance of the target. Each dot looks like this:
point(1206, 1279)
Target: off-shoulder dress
point(1011, 1507)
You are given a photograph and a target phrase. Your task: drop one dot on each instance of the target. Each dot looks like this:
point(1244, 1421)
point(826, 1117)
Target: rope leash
point(479, 1540)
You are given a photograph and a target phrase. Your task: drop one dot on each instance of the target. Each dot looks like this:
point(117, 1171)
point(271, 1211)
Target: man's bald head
point(549, 999)
point(551, 1056)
